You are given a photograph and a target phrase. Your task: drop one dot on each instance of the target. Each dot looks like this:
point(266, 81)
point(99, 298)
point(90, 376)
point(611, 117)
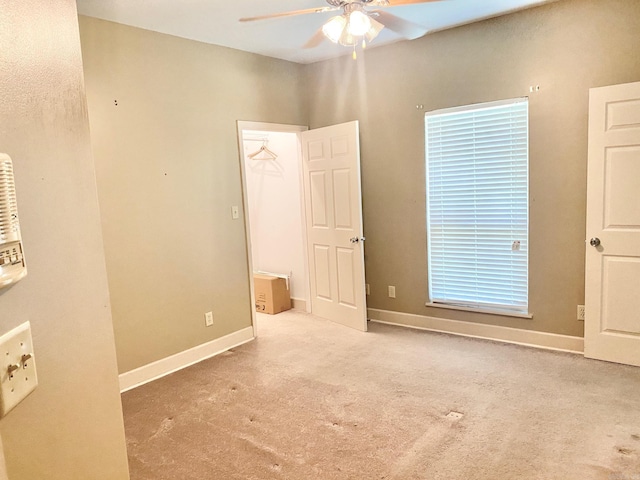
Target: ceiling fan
point(357, 24)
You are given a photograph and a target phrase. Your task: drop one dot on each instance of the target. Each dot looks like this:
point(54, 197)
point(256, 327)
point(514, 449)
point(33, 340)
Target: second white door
point(335, 243)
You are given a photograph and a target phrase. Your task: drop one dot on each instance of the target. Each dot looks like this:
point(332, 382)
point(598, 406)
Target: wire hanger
point(266, 153)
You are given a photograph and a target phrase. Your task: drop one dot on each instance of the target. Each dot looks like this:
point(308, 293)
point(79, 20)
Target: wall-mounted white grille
point(12, 264)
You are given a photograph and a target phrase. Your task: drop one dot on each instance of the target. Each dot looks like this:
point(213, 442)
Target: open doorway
point(271, 166)
point(302, 197)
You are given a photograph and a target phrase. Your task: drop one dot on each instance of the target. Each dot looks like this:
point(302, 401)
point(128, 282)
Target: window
point(477, 205)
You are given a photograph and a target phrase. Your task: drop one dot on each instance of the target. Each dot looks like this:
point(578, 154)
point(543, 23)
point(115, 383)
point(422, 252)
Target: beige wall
point(3, 465)
point(168, 173)
point(566, 48)
point(70, 427)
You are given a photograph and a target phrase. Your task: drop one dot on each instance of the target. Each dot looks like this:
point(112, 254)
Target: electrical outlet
point(367, 288)
point(581, 312)
point(208, 319)
point(17, 367)
point(392, 291)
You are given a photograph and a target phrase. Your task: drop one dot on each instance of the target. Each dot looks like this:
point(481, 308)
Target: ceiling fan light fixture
point(352, 28)
point(334, 28)
point(359, 23)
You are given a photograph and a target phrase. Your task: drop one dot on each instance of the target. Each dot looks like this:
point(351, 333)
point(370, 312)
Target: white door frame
point(280, 128)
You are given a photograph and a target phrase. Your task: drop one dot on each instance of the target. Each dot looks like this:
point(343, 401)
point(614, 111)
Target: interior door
point(333, 204)
point(612, 284)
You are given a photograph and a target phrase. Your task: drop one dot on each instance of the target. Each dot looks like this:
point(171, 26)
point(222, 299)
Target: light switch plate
point(16, 350)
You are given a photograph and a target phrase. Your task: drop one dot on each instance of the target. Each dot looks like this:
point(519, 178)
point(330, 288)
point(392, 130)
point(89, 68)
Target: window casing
point(477, 164)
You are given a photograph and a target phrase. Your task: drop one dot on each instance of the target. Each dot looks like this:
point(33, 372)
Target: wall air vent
point(12, 264)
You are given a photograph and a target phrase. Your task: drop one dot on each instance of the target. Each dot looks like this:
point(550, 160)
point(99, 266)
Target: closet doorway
point(271, 165)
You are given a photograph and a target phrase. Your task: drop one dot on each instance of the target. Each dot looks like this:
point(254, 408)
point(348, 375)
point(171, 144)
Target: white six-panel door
point(331, 166)
point(612, 283)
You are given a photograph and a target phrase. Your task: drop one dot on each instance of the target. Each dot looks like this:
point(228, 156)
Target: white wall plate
point(17, 367)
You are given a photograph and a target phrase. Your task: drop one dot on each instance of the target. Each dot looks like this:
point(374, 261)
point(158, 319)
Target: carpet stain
point(635, 436)
point(165, 426)
point(624, 451)
point(274, 459)
point(426, 445)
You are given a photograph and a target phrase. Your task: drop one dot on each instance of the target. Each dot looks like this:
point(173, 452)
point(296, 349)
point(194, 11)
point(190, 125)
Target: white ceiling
point(216, 21)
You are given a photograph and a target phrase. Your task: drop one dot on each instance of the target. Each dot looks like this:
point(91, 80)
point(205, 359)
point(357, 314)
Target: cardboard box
point(272, 294)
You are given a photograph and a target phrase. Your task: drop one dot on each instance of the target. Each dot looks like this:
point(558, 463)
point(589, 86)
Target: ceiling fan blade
point(395, 3)
point(315, 40)
point(291, 14)
point(407, 29)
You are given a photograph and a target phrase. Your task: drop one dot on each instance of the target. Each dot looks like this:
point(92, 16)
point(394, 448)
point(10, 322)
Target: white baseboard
point(530, 338)
point(299, 304)
point(160, 368)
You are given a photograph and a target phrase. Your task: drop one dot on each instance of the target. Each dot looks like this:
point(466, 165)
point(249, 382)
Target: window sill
point(480, 310)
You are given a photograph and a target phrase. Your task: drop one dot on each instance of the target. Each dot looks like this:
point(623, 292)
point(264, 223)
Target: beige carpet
point(312, 400)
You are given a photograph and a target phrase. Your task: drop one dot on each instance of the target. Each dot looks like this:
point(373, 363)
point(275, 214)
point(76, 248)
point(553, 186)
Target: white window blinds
point(477, 205)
